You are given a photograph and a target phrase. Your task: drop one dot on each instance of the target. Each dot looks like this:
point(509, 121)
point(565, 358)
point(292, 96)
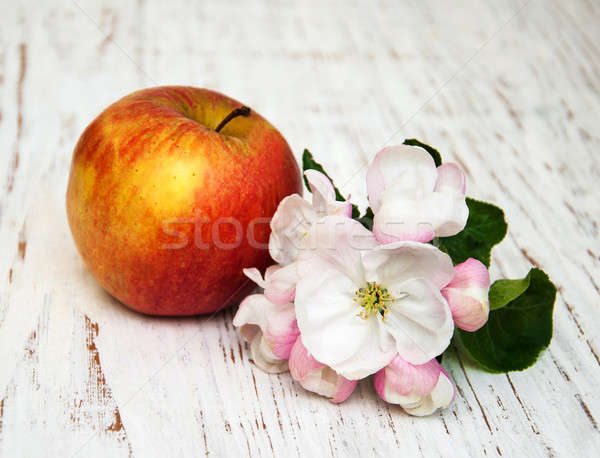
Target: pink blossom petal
point(301, 363)
point(279, 283)
point(271, 270)
point(282, 332)
point(280, 287)
point(280, 296)
point(263, 356)
point(346, 208)
point(467, 295)
point(450, 175)
point(470, 274)
point(252, 318)
point(344, 389)
point(317, 377)
point(258, 318)
point(418, 389)
point(405, 378)
point(468, 313)
point(440, 398)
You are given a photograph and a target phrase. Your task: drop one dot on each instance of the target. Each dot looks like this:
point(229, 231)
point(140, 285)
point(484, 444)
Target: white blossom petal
point(419, 320)
point(330, 325)
point(401, 261)
point(411, 199)
point(440, 398)
point(376, 350)
point(340, 241)
point(448, 212)
point(254, 310)
point(254, 274)
point(271, 270)
point(403, 217)
point(290, 224)
point(419, 389)
point(317, 377)
point(263, 356)
point(271, 330)
point(324, 199)
point(450, 176)
point(404, 166)
point(323, 192)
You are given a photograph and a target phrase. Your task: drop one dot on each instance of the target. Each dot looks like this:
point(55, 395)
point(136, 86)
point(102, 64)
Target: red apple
point(165, 210)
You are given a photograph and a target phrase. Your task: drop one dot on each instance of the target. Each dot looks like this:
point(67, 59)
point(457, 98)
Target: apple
point(169, 197)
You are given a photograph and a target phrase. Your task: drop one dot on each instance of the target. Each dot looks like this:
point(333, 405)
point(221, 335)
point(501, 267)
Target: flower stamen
point(374, 298)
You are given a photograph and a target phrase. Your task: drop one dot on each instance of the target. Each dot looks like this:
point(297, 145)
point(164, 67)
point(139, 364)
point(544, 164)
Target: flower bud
point(317, 377)
point(279, 282)
point(270, 329)
point(467, 295)
point(419, 389)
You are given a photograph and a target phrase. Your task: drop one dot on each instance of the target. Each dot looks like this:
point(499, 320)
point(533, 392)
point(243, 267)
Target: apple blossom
point(294, 217)
point(467, 295)
point(412, 199)
point(317, 377)
point(419, 389)
point(270, 329)
point(358, 308)
point(279, 283)
point(344, 302)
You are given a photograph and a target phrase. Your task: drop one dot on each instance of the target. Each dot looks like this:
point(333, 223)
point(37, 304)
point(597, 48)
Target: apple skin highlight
point(149, 179)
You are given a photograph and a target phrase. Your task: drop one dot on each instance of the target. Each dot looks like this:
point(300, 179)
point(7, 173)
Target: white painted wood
point(510, 90)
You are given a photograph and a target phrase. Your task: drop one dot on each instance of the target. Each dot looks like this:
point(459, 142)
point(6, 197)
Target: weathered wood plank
point(509, 90)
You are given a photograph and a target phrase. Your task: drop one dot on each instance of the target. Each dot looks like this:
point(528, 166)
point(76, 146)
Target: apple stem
point(241, 111)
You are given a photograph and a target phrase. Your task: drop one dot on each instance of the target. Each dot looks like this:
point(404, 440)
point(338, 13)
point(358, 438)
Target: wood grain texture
point(508, 89)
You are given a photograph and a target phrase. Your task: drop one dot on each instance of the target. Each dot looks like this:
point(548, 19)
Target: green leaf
point(485, 228)
point(435, 154)
point(367, 219)
point(502, 292)
point(308, 162)
point(519, 326)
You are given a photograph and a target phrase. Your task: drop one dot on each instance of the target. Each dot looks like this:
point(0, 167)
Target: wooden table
point(508, 89)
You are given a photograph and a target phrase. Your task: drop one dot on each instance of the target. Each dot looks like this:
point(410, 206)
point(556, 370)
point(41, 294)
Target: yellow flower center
point(374, 298)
